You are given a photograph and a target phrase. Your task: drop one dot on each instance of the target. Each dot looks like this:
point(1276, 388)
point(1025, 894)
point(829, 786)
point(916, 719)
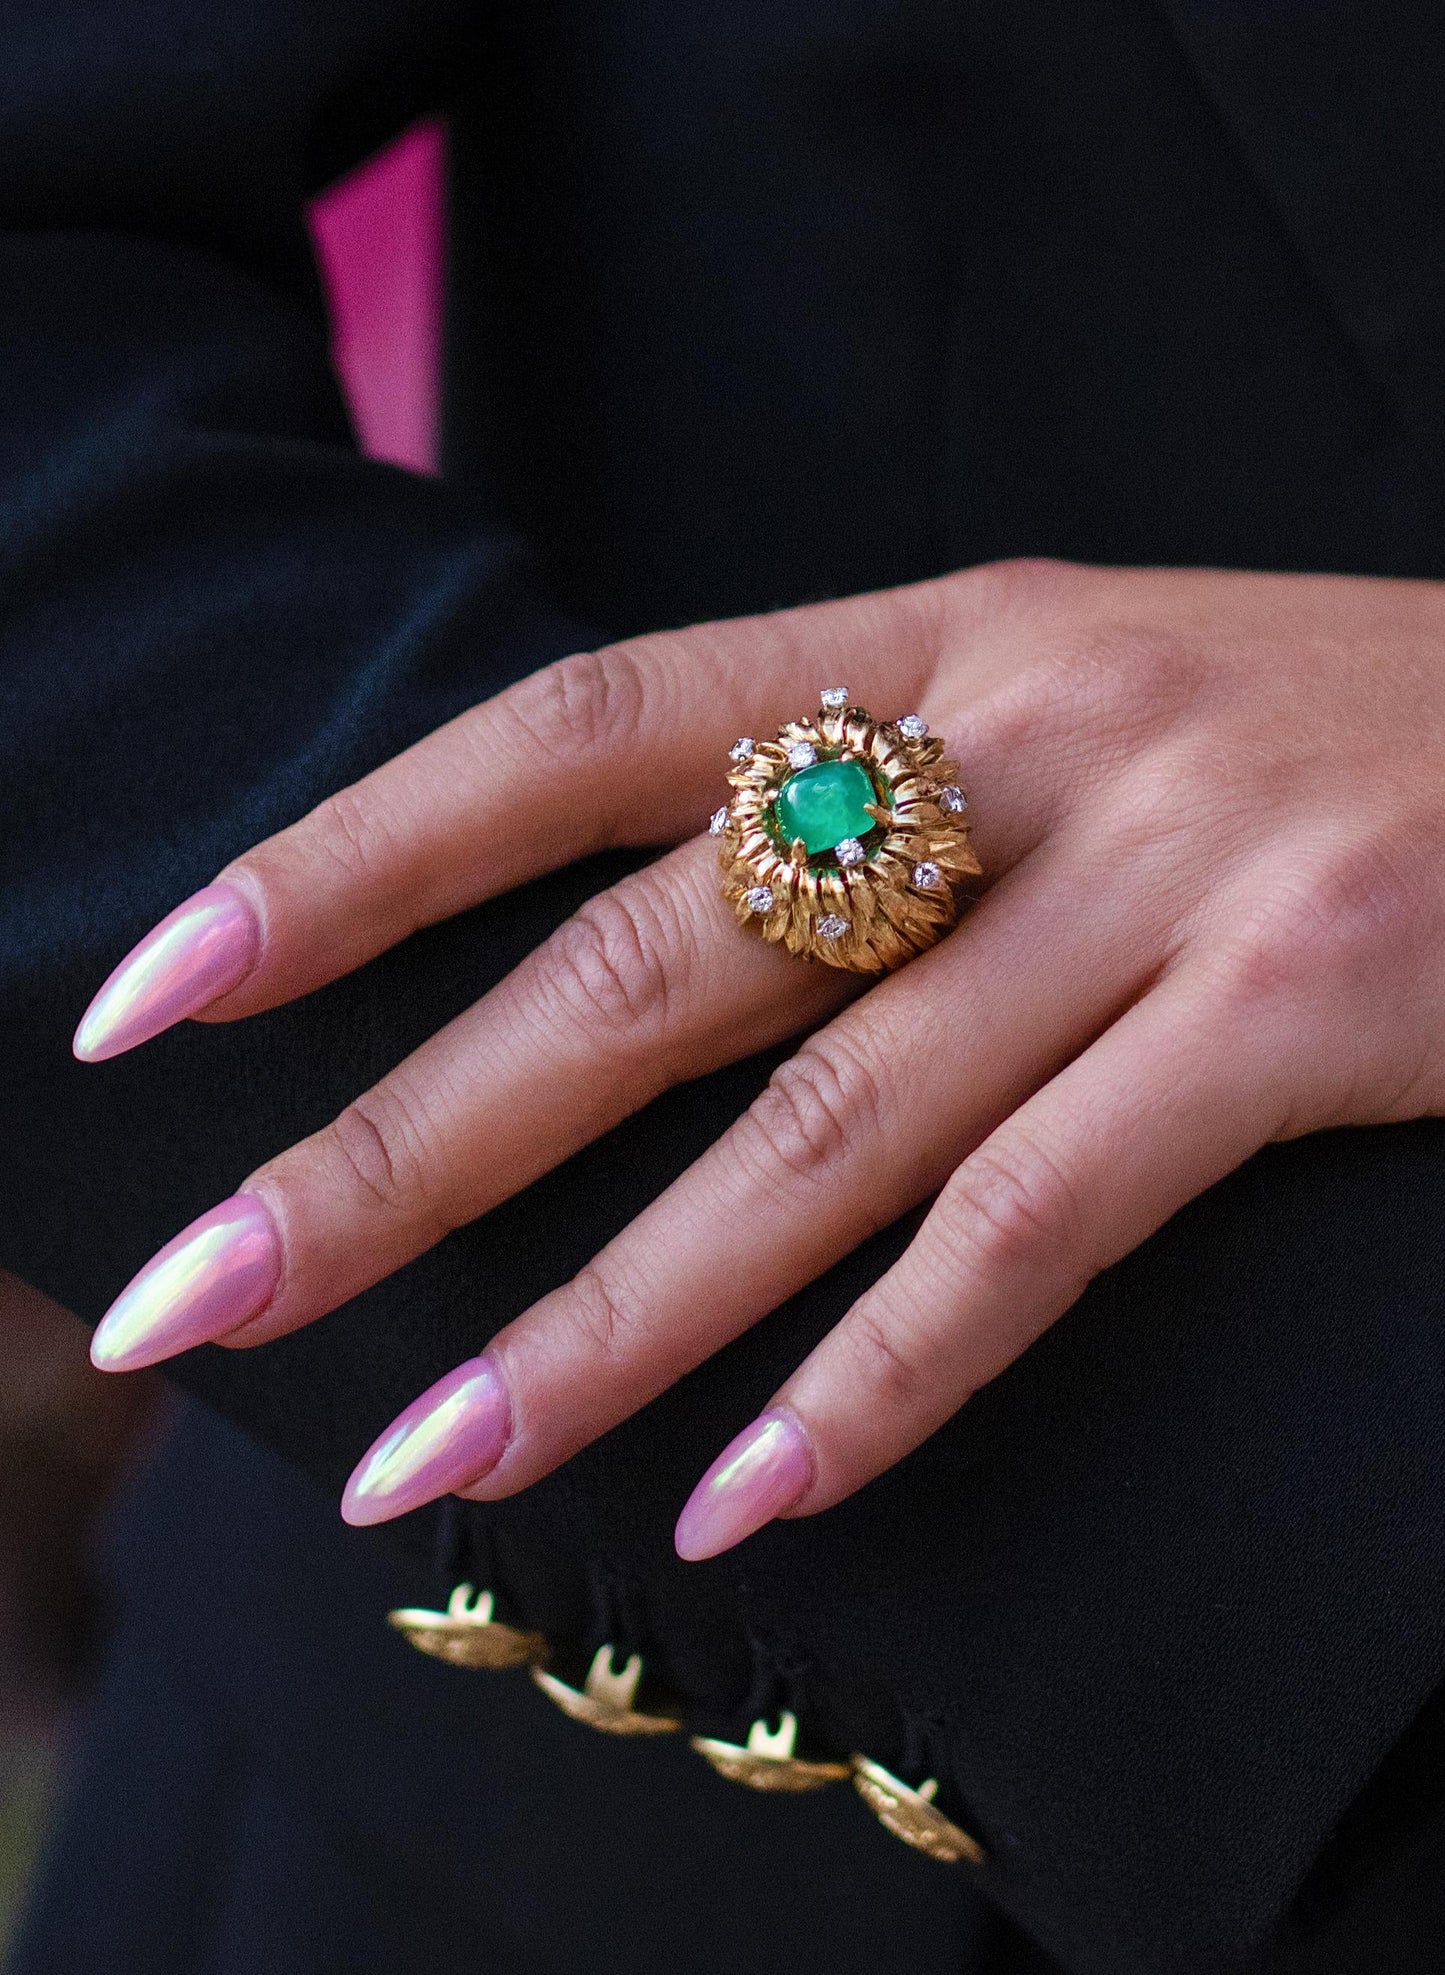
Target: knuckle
point(1168, 797)
point(382, 1143)
point(1122, 681)
point(609, 965)
point(1020, 582)
point(1111, 688)
point(885, 1363)
point(602, 1314)
point(588, 704)
point(819, 1107)
point(349, 831)
point(1012, 1207)
point(1320, 917)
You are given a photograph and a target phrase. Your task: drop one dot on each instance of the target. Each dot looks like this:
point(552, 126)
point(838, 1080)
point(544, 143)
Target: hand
point(1210, 809)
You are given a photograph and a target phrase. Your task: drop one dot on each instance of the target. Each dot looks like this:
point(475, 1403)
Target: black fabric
point(235, 1811)
point(1335, 108)
point(754, 302)
point(782, 302)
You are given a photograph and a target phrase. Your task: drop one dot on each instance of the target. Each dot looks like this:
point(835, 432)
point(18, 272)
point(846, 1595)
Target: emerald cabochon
point(825, 804)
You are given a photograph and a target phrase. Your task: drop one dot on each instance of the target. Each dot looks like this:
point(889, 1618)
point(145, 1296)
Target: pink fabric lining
point(379, 238)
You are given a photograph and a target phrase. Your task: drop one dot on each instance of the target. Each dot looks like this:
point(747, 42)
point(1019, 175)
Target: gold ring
point(846, 838)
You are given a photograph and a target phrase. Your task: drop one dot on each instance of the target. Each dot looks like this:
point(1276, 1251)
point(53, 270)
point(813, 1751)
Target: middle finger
point(648, 984)
point(866, 1120)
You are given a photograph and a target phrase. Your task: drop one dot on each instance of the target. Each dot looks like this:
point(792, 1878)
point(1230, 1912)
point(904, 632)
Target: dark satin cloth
point(753, 303)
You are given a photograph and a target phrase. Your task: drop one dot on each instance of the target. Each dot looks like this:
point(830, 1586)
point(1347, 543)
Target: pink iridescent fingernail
point(756, 1477)
point(196, 954)
point(455, 1432)
point(217, 1273)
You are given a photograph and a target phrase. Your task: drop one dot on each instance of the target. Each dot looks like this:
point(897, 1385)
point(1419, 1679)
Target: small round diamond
point(928, 876)
point(913, 727)
point(802, 754)
point(718, 821)
point(850, 851)
point(742, 750)
point(953, 798)
point(759, 899)
point(835, 696)
point(832, 926)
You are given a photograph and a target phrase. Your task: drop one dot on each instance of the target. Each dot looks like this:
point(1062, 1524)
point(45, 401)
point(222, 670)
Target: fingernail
point(196, 954)
point(753, 1479)
point(455, 1432)
point(219, 1271)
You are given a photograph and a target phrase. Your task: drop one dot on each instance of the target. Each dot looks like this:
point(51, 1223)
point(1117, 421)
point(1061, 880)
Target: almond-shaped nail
point(217, 1273)
point(455, 1432)
point(196, 954)
point(755, 1477)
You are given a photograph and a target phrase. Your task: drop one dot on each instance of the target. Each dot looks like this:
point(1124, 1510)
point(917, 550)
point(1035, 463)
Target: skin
point(1209, 807)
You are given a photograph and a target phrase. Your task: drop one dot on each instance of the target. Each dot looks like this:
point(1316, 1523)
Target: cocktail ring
point(846, 838)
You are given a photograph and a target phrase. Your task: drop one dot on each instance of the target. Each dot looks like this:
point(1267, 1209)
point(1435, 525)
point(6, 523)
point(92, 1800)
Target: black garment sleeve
point(212, 609)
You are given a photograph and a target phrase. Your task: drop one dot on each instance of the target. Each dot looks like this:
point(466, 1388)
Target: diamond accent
point(953, 798)
point(835, 696)
point(759, 899)
point(928, 876)
point(718, 821)
point(802, 754)
point(832, 926)
point(850, 851)
point(913, 727)
point(742, 750)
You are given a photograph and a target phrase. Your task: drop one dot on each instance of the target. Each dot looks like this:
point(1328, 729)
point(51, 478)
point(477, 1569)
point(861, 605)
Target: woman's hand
point(1212, 812)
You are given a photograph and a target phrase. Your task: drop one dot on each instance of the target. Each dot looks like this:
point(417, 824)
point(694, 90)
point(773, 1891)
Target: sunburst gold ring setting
point(846, 839)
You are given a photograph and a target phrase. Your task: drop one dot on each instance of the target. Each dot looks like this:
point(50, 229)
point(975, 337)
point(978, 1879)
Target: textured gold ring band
point(846, 839)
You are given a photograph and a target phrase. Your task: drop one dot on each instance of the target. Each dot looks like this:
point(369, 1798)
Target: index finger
point(603, 749)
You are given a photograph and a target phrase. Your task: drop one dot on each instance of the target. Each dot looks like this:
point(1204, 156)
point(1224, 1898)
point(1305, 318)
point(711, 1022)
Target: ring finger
point(862, 1123)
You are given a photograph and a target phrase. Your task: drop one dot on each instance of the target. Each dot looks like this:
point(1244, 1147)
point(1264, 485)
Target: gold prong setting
point(874, 899)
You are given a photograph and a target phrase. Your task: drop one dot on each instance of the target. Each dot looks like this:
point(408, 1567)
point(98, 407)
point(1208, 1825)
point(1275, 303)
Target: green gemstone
point(826, 803)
